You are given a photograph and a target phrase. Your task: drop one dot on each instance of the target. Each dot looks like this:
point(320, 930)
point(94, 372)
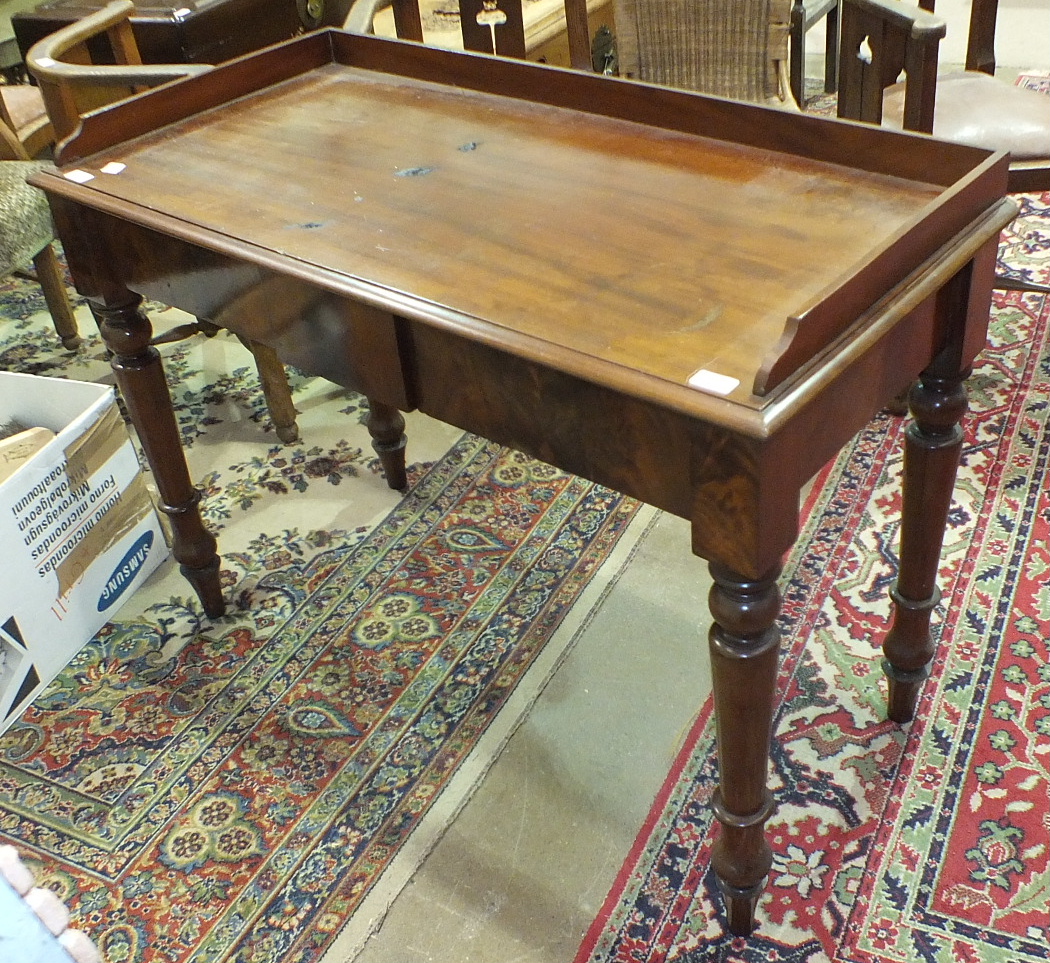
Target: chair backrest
point(22, 110)
point(487, 26)
point(72, 85)
point(730, 48)
point(880, 40)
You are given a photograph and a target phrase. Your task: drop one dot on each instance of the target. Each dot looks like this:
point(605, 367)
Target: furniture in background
point(21, 106)
point(750, 50)
point(198, 31)
point(12, 67)
point(500, 27)
point(22, 111)
point(72, 83)
point(713, 316)
point(805, 15)
point(26, 233)
point(730, 48)
point(686, 39)
point(882, 38)
point(72, 87)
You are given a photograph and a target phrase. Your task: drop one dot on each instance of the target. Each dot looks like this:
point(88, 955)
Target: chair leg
point(797, 53)
point(274, 381)
point(831, 51)
point(49, 275)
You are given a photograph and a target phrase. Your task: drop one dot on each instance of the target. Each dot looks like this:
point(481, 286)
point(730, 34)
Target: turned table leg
point(140, 376)
point(744, 643)
point(386, 425)
point(931, 458)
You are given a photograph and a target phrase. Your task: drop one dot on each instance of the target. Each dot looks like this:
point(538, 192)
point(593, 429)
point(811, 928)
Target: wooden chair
point(26, 233)
point(487, 26)
point(882, 38)
point(21, 106)
point(729, 48)
point(23, 112)
point(72, 85)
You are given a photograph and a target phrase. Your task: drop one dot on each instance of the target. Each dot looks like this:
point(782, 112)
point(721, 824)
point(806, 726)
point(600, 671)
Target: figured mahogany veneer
point(547, 258)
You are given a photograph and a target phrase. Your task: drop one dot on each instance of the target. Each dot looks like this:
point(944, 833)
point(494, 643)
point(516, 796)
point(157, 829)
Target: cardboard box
point(78, 531)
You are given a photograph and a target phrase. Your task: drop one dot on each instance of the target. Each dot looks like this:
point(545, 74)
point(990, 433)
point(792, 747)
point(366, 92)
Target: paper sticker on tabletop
point(712, 381)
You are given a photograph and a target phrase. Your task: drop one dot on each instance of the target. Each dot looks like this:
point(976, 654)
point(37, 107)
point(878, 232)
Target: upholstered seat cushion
point(974, 108)
point(25, 219)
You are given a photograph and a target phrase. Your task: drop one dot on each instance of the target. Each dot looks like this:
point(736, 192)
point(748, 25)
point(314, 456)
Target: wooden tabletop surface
point(530, 200)
point(664, 251)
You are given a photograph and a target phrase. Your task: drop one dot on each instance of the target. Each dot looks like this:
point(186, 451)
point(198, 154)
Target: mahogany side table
point(693, 301)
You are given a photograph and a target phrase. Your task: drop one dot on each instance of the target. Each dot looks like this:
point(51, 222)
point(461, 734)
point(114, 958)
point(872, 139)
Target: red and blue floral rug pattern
point(230, 790)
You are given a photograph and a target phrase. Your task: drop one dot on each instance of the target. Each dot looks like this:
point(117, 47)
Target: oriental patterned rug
point(233, 790)
point(928, 842)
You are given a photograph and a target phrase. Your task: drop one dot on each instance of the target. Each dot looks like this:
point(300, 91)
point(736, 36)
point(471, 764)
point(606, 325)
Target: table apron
point(739, 489)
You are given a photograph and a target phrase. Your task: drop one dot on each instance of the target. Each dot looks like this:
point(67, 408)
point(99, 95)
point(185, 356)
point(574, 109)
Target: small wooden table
point(693, 301)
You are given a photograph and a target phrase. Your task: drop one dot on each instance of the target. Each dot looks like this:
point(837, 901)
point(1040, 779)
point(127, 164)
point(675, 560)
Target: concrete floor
point(523, 870)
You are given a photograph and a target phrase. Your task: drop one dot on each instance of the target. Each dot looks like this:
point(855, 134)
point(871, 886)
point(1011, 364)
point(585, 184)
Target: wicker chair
point(729, 48)
point(26, 233)
point(72, 87)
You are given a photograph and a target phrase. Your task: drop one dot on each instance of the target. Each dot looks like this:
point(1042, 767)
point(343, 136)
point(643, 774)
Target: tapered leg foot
point(904, 689)
point(204, 578)
point(205, 582)
point(741, 905)
point(274, 381)
point(933, 443)
point(1003, 283)
point(744, 644)
point(49, 274)
point(140, 376)
point(386, 425)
